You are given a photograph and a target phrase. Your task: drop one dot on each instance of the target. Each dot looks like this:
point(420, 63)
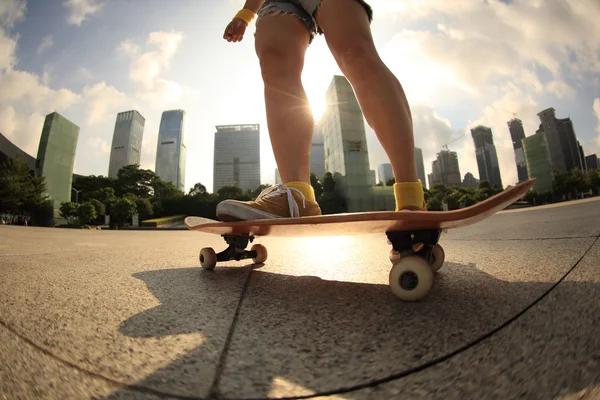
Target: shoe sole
point(228, 212)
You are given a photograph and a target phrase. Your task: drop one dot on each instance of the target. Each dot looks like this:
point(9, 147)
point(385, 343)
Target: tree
point(105, 196)
point(316, 185)
point(14, 182)
point(144, 208)
point(122, 211)
point(86, 212)
point(231, 192)
point(132, 179)
point(593, 180)
point(87, 185)
point(333, 203)
point(390, 182)
point(328, 183)
point(198, 190)
point(98, 207)
point(68, 209)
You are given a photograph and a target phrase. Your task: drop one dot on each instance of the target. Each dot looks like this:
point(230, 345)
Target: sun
point(317, 106)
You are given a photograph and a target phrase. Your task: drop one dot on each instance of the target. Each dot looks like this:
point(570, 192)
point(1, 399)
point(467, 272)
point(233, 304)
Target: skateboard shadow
point(321, 335)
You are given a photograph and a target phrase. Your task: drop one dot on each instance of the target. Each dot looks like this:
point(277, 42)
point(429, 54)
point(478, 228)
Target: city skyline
point(171, 149)
point(154, 63)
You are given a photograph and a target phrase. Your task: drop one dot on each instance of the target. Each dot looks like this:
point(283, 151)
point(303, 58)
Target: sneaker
point(274, 202)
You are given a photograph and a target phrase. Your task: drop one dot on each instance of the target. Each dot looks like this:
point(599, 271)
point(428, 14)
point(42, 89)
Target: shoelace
point(280, 190)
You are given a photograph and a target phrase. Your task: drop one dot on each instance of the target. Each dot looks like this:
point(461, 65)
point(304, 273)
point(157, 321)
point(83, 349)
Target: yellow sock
point(305, 188)
point(409, 195)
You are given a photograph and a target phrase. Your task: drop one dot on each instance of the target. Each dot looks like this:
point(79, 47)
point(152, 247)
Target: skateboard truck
point(421, 243)
point(236, 251)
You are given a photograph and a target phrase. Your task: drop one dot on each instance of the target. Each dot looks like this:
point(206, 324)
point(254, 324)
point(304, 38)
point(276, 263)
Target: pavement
point(513, 313)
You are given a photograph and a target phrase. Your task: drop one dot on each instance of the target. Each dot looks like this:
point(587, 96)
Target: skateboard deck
point(414, 235)
point(364, 222)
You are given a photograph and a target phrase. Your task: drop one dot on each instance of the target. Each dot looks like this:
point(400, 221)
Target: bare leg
point(380, 95)
point(281, 43)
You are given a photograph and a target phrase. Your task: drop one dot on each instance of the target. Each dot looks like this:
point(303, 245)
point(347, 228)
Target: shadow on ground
point(315, 336)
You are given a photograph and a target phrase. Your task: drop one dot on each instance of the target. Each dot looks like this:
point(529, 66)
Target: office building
point(373, 177)
point(517, 134)
point(562, 141)
point(56, 157)
point(237, 157)
point(445, 170)
point(317, 154)
point(171, 149)
point(10, 151)
point(127, 141)
point(470, 182)
point(591, 162)
point(487, 158)
point(581, 157)
point(420, 166)
point(539, 161)
point(385, 173)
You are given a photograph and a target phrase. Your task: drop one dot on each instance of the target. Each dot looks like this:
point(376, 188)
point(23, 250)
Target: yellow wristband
point(245, 15)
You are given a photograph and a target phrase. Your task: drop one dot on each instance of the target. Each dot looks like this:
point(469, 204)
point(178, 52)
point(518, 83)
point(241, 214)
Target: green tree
point(198, 190)
point(105, 195)
point(434, 204)
point(333, 203)
point(87, 185)
point(316, 185)
point(231, 192)
point(68, 209)
point(593, 180)
point(144, 209)
point(132, 179)
point(390, 182)
point(86, 212)
point(14, 184)
point(122, 211)
point(577, 181)
point(98, 207)
point(328, 183)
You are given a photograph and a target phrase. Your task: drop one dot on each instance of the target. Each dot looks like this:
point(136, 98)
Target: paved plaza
point(513, 313)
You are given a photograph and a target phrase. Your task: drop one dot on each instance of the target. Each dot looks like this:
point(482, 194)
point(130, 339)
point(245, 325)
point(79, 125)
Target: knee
point(358, 60)
point(277, 62)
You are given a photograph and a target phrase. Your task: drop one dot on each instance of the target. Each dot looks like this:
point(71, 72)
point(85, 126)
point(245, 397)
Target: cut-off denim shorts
point(304, 10)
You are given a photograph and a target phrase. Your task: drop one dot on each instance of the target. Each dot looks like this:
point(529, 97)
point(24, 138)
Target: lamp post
point(76, 194)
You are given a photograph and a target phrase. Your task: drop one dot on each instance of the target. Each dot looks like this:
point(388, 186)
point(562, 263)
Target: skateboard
point(416, 254)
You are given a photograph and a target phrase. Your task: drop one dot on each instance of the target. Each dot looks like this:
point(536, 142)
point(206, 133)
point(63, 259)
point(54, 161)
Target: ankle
point(409, 195)
point(303, 187)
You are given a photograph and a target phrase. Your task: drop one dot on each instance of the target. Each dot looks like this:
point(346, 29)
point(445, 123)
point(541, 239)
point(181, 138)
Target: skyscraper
point(56, 156)
point(539, 161)
point(237, 157)
point(127, 141)
point(517, 134)
point(420, 166)
point(562, 142)
point(591, 161)
point(469, 182)
point(385, 173)
point(317, 154)
point(581, 157)
point(487, 159)
point(170, 149)
point(445, 169)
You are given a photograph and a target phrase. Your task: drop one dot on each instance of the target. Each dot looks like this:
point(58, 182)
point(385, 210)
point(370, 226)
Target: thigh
point(281, 35)
point(346, 26)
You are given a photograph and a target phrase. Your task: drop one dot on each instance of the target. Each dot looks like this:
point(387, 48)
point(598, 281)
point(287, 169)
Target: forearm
point(253, 5)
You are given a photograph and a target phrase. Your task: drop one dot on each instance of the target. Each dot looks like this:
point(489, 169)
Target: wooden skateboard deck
point(414, 235)
point(365, 222)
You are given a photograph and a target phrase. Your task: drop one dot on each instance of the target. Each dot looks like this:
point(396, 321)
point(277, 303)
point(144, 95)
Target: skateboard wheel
point(208, 258)
point(438, 257)
point(261, 253)
point(411, 278)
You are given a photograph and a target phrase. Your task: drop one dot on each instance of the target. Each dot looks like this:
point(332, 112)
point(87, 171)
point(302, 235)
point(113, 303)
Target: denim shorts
point(305, 10)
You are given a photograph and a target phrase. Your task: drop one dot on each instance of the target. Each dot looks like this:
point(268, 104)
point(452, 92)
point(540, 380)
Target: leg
point(348, 34)
point(281, 43)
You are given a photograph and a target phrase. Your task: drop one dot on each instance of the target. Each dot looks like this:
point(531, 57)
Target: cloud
point(47, 42)
point(100, 99)
point(147, 67)
point(79, 10)
point(100, 146)
point(597, 112)
point(11, 11)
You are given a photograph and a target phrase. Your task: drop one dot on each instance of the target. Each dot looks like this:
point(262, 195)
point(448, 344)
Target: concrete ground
point(130, 315)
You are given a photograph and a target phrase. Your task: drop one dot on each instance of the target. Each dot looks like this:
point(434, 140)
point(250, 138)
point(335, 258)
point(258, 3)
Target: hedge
point(160, 221)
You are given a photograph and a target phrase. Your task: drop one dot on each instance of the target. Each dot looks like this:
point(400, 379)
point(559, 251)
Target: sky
point(461, 63)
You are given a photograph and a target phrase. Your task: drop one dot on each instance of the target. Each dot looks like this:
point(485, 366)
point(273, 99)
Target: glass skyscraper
point(562, 141)
point(487, 158)
point(237, 157)
point(127, 141)
point(517, 134)
point(56, 156)
point(539, 161)
point(170, 149)
point(420, 166)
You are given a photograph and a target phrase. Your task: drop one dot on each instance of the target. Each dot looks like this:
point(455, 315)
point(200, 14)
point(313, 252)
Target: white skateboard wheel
point(411, 278)
point(208, 258)
point(438, 257)
point(261, 253)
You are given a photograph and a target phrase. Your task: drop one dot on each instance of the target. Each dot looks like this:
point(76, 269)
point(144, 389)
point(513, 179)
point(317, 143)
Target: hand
point(235, 30)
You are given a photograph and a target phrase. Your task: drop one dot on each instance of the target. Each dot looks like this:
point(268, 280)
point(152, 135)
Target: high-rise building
point(581, 157)
point(562, 141)
point(385, 173)
point(373, 177)
point(445, 169)
point(517, 134)
point(10, 151)
point(317, 154)
point(127, 141)
point(469, 181)
point(237, 157)
point(591, 161)
point(170, 149)
point(539, 161)
point(487, 158)
point(56, 157)
point(420, 166)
